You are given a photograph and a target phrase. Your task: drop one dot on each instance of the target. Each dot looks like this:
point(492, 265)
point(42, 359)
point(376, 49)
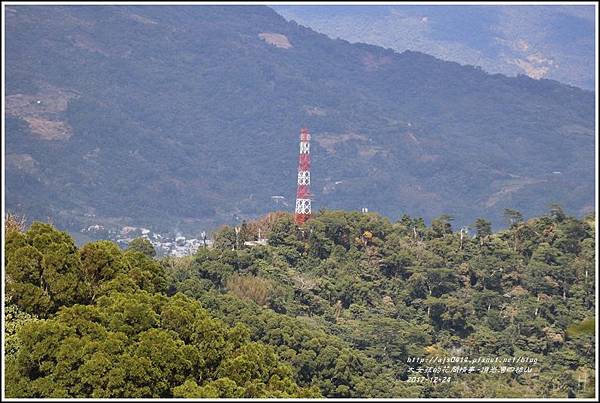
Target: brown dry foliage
point(265, 224)
point(253, 288)
point(14, 222)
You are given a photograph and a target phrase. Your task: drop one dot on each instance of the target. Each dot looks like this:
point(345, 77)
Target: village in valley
point(164, 244)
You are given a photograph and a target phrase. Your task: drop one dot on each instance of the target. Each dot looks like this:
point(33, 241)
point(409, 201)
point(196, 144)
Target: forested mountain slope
point(336, 310)
point(187, 117)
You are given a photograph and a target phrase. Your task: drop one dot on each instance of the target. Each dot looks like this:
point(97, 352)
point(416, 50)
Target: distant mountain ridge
point(188, 117)
point(539, 40)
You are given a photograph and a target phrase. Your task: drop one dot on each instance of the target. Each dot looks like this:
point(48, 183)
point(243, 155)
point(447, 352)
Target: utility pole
point(237, 237)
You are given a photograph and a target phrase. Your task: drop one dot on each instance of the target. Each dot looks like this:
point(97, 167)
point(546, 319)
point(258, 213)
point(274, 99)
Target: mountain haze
point(551, 40)
point(188, 117)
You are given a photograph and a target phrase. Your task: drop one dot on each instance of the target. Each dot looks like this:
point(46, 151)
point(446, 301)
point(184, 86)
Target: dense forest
point(339, 308)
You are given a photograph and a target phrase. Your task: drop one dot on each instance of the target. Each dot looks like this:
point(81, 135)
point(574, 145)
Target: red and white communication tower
point(303, 192)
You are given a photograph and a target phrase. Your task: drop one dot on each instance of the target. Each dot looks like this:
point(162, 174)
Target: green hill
point(187, 117)
point(346, 308)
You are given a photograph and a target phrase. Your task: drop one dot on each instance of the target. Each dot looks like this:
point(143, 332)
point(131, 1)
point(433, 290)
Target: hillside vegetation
point(336, 309)
point(187, 117)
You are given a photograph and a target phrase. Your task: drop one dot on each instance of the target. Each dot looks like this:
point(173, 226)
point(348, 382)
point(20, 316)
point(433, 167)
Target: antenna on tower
point(303, 193)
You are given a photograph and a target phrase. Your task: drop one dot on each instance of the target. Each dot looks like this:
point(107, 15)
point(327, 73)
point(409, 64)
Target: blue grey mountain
point(540, 41)
point(188, 117)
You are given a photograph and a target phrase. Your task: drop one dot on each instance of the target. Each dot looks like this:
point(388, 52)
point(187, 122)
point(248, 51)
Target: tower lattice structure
point(303, 193)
